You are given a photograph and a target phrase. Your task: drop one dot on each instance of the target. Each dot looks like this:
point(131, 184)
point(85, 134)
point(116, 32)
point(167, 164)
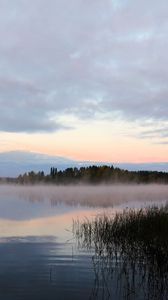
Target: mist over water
point(89, 195)
point(48, 210)
point(39, 258)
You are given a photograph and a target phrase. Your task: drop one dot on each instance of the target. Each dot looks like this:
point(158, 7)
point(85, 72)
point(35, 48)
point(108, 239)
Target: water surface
point(39, 257)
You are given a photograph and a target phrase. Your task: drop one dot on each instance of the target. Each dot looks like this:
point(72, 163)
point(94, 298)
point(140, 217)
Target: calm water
point(40, 259)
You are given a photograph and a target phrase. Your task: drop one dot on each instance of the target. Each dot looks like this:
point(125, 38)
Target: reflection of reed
point(101, 279)
point(131, 249)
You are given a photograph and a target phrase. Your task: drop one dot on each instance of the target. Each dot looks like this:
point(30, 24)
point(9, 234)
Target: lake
point(39, 256)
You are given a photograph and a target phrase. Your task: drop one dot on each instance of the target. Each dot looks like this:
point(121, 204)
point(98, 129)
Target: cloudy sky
point(85, 79)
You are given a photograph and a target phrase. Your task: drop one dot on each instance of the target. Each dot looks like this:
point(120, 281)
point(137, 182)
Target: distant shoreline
point(88, 175)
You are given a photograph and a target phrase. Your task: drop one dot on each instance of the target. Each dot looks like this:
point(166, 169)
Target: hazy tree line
point(91, 175)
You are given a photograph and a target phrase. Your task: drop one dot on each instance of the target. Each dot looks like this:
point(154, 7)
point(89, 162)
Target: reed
point(137, 241)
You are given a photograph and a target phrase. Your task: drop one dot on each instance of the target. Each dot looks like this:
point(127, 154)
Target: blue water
point(40, 258)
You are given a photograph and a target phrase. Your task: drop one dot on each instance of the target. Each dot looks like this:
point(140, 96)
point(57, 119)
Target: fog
point(87, 195)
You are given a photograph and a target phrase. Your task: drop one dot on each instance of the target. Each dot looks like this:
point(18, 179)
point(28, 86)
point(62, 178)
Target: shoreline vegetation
point(89, 175)
point(133, 244)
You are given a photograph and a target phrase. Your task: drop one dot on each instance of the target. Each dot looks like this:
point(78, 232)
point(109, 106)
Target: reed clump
point(137, 240)
point(147, 227)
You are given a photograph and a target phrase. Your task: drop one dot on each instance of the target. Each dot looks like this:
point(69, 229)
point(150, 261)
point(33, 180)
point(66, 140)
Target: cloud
point(97, 58)
point(158, 133)
point(164, 143)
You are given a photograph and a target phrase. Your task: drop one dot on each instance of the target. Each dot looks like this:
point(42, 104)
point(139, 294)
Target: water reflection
point(39, 258)
point(129, 253)
point(42, 270)
point(92, 196)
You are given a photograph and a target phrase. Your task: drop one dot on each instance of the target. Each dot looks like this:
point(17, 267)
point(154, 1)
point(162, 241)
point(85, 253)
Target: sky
point(85, 79)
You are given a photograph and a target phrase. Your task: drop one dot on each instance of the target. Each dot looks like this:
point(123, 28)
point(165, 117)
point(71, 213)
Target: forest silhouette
point(90, 175)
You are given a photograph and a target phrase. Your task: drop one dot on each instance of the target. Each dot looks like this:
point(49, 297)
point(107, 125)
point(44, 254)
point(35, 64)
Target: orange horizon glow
point(101, 142)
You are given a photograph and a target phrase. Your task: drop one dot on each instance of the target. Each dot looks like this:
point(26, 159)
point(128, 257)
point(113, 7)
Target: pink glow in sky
point(88, 82)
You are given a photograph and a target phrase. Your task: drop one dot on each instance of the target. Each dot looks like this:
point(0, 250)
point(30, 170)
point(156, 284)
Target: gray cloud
point(85, 58)
point(158, 134)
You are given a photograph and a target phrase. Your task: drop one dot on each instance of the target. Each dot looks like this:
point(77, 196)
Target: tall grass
point(137, 241)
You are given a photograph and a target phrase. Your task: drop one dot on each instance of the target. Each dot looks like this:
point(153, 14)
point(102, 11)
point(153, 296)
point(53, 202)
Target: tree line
point(92, 175)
